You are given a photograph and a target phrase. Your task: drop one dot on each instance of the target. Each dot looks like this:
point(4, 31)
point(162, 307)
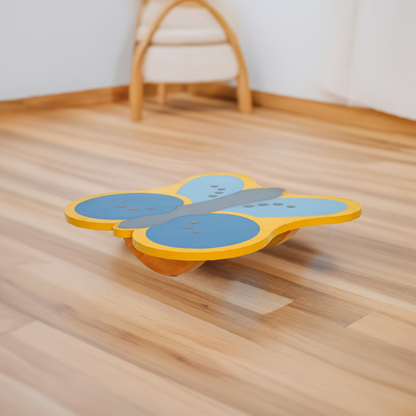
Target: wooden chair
point(205, 51)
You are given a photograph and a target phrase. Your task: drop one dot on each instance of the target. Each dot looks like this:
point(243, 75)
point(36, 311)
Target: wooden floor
point(322, 325)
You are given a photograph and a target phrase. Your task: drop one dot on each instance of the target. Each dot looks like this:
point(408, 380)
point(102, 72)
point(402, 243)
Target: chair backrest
point(189, 15)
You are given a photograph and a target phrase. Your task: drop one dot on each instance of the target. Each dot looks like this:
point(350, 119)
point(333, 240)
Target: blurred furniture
point(187, 42)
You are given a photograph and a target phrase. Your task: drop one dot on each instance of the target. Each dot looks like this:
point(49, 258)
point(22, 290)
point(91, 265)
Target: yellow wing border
point(270, 227)
point(107, 225)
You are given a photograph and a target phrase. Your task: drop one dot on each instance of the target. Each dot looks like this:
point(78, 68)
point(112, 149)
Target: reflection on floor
point(322, 325)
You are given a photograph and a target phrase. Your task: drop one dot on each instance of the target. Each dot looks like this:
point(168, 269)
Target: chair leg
point(136, 87)
point(244, 98)
point(161, 93)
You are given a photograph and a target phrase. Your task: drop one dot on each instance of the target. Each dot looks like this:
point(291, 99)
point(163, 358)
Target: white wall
point(383, 71)
point(286, 45)
point(339, 51)
point(57, 46)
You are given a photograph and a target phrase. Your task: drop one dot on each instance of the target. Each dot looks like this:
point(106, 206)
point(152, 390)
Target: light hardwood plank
point(11, 319)
point(90, 381)
point(387, 329)
point(321, 325)
point(233, 290)
point(18, 399)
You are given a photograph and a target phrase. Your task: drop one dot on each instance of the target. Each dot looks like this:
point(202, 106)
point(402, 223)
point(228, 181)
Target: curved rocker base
point(177, 267)
point(163, 266)
point(281, 238)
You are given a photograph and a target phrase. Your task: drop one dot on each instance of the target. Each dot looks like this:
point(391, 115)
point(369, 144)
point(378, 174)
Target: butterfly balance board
point(177, 228)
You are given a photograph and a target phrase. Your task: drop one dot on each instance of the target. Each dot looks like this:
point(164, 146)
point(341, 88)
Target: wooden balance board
point(177, 228)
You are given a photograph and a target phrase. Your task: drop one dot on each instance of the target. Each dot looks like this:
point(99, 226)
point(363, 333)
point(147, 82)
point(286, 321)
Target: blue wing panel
point(127, 206)
point(203, 231)
point(290, 207)
point(210, 187)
